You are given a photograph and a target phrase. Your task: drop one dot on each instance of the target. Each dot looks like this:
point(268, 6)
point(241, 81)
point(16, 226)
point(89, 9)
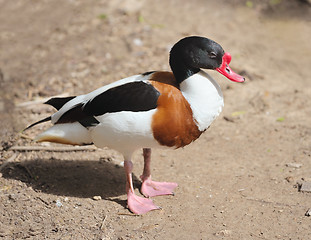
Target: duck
point(157, 109)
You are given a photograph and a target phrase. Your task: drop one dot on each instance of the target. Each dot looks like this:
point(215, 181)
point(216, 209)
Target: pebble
point(308, 213)
point(289, 179)
point(97, 198)
point(138, 42)
point(305, 187)
point(58, 203)
point(293, 165)
point(229, 119)
point(224, 233)
point(12, 197)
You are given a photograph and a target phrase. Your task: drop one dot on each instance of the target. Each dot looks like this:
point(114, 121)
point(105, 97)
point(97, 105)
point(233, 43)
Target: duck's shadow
point(83, 179)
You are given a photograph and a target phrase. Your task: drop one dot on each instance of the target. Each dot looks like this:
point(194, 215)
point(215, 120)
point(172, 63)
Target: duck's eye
point(212, 54)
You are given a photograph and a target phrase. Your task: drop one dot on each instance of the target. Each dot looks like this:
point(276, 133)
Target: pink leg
point(137, 205)
point(150, 188)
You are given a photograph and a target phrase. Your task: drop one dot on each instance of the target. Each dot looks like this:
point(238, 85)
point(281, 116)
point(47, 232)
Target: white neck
point(205, 98)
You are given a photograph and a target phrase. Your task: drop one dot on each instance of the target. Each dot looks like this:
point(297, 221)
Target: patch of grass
point(103, 16)
point(275, 2)
point(141, 19)
point(158, 25)
point(238, 113)
point(280, 119)
point(249, 4)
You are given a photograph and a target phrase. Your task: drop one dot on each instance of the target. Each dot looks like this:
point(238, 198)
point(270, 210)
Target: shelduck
point(153, 109)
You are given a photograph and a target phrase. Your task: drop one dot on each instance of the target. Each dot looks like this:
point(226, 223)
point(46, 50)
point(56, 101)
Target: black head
point(198, 52)
point(192, 53)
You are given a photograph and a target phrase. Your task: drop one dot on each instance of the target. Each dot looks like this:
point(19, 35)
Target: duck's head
point(192, 53)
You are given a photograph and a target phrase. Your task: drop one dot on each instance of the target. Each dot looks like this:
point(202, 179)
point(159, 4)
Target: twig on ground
point(52, 149)
point(25, 136)
point(128, 214)
point(103, 223)
point(42, 200)
point(272, 202)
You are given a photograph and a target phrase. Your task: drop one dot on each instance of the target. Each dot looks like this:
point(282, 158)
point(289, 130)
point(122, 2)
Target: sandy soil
point(240, 180)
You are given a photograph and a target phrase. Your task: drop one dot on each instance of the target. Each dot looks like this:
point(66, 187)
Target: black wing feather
point(133, 96)
point(36, 123)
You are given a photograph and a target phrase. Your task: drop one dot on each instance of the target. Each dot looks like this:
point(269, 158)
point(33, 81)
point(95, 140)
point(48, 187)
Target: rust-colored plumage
point(172, 124)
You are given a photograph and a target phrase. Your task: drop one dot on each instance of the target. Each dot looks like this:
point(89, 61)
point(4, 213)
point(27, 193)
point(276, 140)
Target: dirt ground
point(240, 180)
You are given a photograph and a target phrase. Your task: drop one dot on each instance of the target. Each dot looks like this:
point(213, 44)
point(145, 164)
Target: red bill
point(225, 70)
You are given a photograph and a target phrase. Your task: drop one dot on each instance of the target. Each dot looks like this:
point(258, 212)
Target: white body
point(127, 131)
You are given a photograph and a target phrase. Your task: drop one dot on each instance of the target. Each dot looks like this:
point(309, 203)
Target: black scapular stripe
point(134, 97)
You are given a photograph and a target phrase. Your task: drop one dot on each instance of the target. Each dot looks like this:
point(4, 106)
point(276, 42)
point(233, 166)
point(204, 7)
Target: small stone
point(289, 179)
point(97, 198)
point(138, 42)
point(305, 187)
point(308, 213)
point(293, 165)
point(59, 203)
point(229, 119)
point(224, 233)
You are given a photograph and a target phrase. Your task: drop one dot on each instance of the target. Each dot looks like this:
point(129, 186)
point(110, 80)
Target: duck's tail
point(56, 102)
point(36, 123)
point(64, 133)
